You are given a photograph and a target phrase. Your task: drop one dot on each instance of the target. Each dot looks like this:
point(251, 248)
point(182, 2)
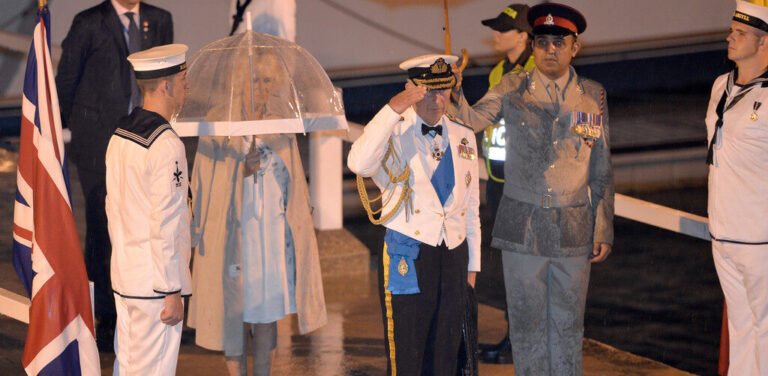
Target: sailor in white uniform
point(148, 219)
point(425, 165)
point(737, 126)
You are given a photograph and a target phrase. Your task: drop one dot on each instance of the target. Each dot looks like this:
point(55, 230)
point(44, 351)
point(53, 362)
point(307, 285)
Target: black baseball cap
point(515, 16)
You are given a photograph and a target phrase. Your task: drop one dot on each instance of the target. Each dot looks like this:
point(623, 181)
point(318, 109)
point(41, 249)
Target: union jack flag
point(46, 247)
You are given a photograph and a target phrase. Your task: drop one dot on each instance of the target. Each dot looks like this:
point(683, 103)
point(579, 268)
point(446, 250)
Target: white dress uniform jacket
point(147, 188)
point(738, 181)
point(426, 220)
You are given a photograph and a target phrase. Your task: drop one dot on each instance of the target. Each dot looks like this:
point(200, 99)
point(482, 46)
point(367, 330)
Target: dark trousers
point(423, 331)
point(98, 248)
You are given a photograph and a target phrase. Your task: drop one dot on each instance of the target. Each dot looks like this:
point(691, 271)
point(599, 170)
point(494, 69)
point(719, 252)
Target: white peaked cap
point(159, 61)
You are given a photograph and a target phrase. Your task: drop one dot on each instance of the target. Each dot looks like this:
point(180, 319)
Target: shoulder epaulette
point(457, 121)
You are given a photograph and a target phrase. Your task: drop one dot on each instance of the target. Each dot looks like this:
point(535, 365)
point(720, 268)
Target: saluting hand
point(408, 97)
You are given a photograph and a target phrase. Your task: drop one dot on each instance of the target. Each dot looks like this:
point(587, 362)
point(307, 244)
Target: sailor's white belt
point(548, 200)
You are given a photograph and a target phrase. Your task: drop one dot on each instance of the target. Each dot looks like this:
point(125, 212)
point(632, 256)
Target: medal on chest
point(588, 126)
point(437, 151)
point(466, 151)
point(755, 107)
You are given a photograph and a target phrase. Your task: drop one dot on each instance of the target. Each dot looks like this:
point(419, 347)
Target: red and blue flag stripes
point(47, 254)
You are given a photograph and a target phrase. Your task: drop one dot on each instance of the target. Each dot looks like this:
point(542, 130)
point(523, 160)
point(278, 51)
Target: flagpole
point(41, 4)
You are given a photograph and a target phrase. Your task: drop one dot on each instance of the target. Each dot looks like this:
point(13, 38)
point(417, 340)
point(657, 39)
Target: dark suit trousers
point(423, 331)
point(98, 248)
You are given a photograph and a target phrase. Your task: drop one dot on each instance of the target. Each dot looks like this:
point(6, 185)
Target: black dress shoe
point(500, 353)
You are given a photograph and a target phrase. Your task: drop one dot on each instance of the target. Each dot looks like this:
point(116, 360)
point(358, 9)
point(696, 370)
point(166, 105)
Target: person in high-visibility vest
point(511, 37)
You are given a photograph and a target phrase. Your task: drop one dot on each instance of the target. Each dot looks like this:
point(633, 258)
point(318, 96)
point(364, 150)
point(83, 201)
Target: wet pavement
point(351, 344)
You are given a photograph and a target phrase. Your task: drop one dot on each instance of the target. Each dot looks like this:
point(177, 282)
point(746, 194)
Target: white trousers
point(144, 346)
point(743, 273)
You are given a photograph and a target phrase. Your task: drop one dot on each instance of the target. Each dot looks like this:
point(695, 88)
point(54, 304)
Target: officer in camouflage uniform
point(556, 215)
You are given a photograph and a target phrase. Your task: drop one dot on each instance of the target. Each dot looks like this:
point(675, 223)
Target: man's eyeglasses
point(544, 42)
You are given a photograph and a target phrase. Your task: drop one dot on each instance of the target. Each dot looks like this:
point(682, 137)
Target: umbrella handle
point(447, 39)
point(464, 60)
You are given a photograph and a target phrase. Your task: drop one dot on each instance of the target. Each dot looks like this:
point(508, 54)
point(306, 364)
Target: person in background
point(427, 164)
point(555, 217)
point(512, 38)
point(737, 130)
point(148, 216)
point(256, 257)
point(96, 88)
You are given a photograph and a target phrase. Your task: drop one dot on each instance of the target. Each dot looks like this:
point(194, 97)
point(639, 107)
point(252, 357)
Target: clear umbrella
point(254, 83)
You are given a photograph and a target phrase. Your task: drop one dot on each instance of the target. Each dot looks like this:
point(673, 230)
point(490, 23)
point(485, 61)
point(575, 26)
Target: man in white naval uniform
point(737, 127)
point(425, 165)
point(148, 219)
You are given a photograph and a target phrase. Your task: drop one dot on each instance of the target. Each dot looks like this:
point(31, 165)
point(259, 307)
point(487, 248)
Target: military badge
point(588, 126)
point(437, 154)
point(755, 107)
point(467, 152)
point(402, 267)
point(439, 67)
point(177, 175)
point(549, 20)
point(464, 141)
point(468, 178)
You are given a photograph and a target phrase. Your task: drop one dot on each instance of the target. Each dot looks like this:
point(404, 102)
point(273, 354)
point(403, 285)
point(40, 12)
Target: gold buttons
point(417, 232)
point(417, 211)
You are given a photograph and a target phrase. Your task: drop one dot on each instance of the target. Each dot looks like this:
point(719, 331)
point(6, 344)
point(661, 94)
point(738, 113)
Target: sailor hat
point(159, 61)
point(751, 14)
point(556, 19)
point(432, 71)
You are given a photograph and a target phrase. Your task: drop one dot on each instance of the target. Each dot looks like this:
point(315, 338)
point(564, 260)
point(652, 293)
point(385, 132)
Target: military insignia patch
point(402, 267)
point(467, 152)
point(464, 141)
point(439, 67)
point(468, 178)
point(177, 175)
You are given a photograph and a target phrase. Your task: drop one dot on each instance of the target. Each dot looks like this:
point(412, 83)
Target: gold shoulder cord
point(405, 193)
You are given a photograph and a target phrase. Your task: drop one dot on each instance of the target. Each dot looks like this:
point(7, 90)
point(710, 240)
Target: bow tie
point(426, 129)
